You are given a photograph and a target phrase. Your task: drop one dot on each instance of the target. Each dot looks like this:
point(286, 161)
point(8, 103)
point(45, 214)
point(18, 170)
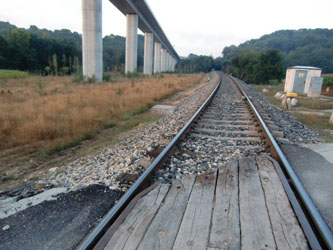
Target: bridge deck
point(240, 206)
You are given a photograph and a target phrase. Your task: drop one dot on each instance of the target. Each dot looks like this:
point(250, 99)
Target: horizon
point(105, 35)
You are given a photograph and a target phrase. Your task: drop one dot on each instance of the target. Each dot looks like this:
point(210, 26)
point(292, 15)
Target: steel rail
point(317, 231)
point(96, 234)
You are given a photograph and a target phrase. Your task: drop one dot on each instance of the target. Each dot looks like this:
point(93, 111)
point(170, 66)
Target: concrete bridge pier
point(157, 59)
point(163, 60)
point(148, 54)
point(131, 54)
point(92, 43)
point(168, 62)
point(174, 65)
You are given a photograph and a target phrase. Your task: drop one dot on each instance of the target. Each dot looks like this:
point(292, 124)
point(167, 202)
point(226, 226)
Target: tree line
point(22, 50)
point(256, 61)
point(56, 52)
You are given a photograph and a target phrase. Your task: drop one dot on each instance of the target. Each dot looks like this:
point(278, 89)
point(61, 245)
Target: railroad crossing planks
point(287, 233)
point(240, 206)
point(130, 233)
point(255, 223)
point(225, 230)
point(162, 232)
point(194, 230)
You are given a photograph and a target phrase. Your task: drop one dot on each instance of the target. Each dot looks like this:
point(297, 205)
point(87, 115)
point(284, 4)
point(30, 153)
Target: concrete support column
point(168, 62)
point(157, 59)
point(148, 54)
point(131, 57)
point(163, 60)
point(92, 44)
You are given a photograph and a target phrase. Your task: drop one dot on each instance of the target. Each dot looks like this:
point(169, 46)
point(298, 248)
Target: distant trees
point(255, 67)
point(194, 63)
point(25, 51)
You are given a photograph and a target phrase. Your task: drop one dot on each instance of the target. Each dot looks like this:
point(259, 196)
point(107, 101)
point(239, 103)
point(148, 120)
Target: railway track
point(226, 126)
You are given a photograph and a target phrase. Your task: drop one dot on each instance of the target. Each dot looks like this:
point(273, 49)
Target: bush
point(328, 80)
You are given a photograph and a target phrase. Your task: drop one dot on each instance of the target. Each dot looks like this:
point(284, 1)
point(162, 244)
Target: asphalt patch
point(315, 173)
point(58, 224)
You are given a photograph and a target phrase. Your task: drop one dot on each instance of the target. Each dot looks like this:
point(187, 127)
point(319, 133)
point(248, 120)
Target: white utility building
point(302, 79)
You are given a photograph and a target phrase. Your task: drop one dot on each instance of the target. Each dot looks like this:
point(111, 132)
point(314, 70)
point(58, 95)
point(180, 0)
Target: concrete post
point(163, 60)
point(148, 54)
point(131, 57)
point(157, 59)
point(92, 44)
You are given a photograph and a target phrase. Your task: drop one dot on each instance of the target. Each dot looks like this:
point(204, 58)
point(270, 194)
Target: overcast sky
point(192, 26)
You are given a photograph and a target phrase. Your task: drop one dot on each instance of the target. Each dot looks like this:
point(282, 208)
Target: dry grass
point(52, 113)
point(317, 123)
point(312, 103)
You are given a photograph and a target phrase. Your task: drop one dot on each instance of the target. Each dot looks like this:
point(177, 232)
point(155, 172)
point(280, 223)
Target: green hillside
point(308, 47)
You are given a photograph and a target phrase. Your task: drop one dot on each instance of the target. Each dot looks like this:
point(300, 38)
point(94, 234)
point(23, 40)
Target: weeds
point(126, 116)
point(40, 83)
point(106, 77)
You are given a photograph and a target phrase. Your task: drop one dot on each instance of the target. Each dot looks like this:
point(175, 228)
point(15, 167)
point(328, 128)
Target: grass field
point(7, 74)
point(49, 114)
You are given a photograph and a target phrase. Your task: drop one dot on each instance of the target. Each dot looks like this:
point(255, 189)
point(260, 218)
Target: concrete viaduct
point(159, 54)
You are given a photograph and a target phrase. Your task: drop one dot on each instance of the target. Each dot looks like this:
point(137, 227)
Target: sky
point(192, 26)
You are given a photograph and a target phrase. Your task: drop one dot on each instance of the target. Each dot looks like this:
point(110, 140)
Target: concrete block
point(164, 109)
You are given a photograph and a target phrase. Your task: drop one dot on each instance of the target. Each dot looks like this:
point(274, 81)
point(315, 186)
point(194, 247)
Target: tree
point(269, 66)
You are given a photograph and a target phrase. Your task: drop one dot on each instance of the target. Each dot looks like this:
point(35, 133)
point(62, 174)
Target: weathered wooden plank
point(225, 229)
point(107, 236)
point(162, 232)
point(132, 230)
point(286, 229)
point(194, 229)
point(255, 224)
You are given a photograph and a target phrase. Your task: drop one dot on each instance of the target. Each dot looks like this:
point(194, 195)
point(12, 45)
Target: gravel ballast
point(295, 131)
